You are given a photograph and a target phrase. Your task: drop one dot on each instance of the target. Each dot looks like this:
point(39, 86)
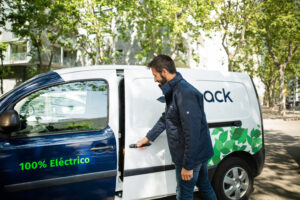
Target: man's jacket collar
point(167, 88)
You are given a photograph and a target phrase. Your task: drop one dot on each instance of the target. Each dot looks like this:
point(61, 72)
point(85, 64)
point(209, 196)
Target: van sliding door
point(148, 172)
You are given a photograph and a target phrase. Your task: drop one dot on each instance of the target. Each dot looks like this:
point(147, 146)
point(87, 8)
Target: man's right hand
point(145, 140)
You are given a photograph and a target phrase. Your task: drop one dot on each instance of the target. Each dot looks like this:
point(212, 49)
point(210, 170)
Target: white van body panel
point(142, 110)
point(228, 97)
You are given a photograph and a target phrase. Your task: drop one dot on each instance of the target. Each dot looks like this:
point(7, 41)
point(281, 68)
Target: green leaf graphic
point(257, 140)
point(253, 145)
point(259, 146)
point(255, 133)
point(216, 159)
point(225, 150)
point(237, 133)
point(229, 144)
point(218, 145)
point(216, 151)
point(249, 139)
point(232, 130)
point(243, 147)
point(223, 136)
point(255, 149)
point(243, 137)
point(216, 131)
point(235, 147)
point(209, 161)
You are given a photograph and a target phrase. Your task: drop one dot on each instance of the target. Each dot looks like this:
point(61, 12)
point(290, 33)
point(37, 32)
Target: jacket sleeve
point(158, 128)
point(188, 104)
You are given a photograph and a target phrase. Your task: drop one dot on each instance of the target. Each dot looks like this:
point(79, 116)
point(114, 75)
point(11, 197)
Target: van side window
point(70, 107)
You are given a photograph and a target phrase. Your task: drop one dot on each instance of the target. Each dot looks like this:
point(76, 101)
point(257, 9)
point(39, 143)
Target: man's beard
point(163, 81)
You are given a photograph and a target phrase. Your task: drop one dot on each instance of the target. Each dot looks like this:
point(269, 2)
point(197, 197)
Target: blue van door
point(65, 148)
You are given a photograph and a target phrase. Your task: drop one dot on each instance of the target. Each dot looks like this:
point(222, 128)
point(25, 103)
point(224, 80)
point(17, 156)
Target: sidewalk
point(274, 114)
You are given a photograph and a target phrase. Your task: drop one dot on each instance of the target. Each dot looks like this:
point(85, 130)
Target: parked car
point(68, 134)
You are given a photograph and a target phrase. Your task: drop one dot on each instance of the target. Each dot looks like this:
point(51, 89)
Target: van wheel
point(233, 180)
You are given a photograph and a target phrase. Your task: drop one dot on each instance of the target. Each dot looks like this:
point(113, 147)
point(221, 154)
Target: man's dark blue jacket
point(185, 123)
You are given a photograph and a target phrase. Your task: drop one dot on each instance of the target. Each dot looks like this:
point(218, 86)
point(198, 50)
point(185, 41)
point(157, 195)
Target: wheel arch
point(247, 157)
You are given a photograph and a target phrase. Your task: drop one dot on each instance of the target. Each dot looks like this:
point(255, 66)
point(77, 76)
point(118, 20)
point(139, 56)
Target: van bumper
point(259, 158)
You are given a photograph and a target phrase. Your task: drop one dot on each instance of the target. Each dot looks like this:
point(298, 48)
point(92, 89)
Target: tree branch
point(291, 53)
point(270, 49)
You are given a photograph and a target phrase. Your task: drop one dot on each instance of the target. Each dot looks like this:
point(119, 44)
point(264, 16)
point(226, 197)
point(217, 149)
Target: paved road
point(280, 178)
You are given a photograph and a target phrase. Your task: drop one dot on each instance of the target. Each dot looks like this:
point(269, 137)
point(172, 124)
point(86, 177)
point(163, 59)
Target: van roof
point(192, 73)
point(99, 67)
point(139, 67)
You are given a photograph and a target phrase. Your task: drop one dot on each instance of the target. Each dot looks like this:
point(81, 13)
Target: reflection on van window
point(77, 106)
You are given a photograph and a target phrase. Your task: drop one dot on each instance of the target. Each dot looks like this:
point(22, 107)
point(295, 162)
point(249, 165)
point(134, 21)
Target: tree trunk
point(282, 88)
point(230, 64)
point(50, 61)
point(42, 69)
point(1, 76)
point(266, 99)
point(272, 93)
point(267, 96)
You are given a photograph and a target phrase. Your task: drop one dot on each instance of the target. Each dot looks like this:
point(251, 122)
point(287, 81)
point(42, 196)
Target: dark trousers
point(185, 189)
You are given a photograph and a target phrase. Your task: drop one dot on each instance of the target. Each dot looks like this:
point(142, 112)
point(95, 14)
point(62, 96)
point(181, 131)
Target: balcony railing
point(18, 56)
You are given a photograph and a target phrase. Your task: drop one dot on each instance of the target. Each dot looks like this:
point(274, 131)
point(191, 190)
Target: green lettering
point(81, 161)
point(52, 163)
point(61, 162)
point(22, 166)
point(66, 162)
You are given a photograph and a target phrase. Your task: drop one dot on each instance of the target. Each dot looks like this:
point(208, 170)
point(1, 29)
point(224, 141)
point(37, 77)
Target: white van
point(69, 134)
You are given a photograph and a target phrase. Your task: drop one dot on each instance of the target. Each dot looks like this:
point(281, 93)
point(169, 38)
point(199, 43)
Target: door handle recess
point(102, 148)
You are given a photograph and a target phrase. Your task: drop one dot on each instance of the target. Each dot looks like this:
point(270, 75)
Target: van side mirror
point(9, 121)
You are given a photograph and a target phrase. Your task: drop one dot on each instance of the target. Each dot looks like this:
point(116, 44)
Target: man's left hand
point(186, 175)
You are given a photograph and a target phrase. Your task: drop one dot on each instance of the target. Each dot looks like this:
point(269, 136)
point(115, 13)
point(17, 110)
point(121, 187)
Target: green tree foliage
point(269, 76)
point(232, 19)
point(161, 26)
point(45, 23)
point(97, 29)
point(278, 31)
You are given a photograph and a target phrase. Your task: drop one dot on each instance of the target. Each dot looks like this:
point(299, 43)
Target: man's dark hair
point(162, 61)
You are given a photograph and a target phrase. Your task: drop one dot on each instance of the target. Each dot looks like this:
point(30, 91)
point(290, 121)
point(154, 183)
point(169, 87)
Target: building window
point(18, 52)
point(69, 58)
point(57, 55)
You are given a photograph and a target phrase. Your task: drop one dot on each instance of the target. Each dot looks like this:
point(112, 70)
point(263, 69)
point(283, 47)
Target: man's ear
point(164, 72)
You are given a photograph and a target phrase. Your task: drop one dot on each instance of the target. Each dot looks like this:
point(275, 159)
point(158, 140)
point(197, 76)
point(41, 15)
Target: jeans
point(185, 189)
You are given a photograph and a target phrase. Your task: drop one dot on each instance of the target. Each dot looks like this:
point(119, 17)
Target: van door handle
point(135, 145)
point(102, 148)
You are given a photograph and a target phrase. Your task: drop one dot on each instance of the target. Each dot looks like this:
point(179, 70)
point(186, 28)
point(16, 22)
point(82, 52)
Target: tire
point(233, 180)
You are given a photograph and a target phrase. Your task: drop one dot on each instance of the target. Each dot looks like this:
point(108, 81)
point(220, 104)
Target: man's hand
point(186, 175)
point(145, 140)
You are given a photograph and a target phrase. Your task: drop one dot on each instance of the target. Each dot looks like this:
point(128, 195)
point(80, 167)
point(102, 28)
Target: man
point(187, 130)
